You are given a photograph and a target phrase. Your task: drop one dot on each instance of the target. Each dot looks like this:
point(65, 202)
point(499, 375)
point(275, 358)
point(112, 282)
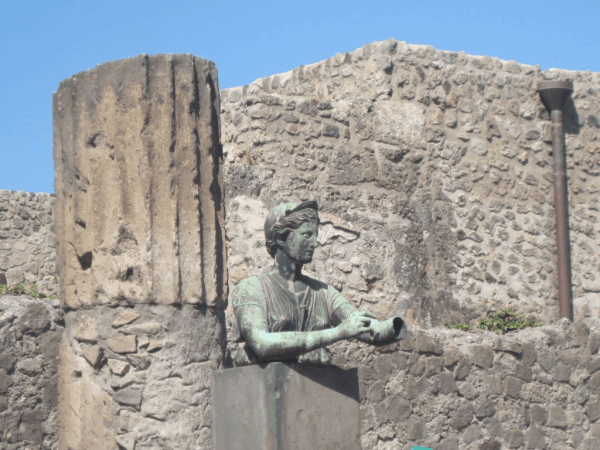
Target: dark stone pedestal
point(281, 406)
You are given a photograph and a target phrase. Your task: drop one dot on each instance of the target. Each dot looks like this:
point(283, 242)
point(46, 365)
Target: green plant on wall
point(507, 320)
point(20, 289)
point(458, 326)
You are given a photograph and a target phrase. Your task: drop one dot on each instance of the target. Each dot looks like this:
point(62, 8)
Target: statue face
point(302, 242)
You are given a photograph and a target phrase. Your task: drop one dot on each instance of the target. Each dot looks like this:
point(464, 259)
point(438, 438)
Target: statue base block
point(286, 406)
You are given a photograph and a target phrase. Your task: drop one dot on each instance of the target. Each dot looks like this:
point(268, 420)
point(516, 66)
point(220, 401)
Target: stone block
point(384, 365)
point(129, 397)
point(562, 372)
point(593, 366)
point(31, 366)
point(86, 329)
point(514, 438)
point(524, 373)
point(539, 413)
point(462, 368)
point(494, 384)
point(92, 353)
point(140, 361)
point(31, 427)
point(483, 356)
point(473, 433)
point(416, 386)
point(7, 361)
point(122, 344)
point(35, 319)
point(14, 276)
point(556, 417)
point(399, 409)
point(417, 430)
point(593, 411)
point(149, 328)
point(484, 407)
point(408, 343)
point(448, 443)
point(416, 363)
point(580, 332)
point(462, 416)
point(490, 444)
point(593, 342)
point(594, 383)
point(451, 356)
point(118, 367)
point(376, 392)
point(5, 381)
point(504, 345)
point(124, 317)
point(126, 441)
point(424, 343)
point(512, 387)
point(293, 406)
point(547, 360)
point(50, 394)
point(433, 366)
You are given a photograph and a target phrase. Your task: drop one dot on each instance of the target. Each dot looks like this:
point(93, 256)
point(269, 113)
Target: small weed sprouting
point(20, 289)
point(458, 326)
point(507, 320)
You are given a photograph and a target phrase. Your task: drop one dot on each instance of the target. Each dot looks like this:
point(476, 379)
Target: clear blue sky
point(44, 42)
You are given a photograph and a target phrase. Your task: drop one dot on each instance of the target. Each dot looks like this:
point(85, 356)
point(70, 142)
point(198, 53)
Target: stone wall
point(30, 334)
point(433, 171)
point(28, 240)
point(450, 390)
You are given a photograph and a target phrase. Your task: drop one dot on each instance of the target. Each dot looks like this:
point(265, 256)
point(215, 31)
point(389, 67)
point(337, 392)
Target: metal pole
point(554, 94)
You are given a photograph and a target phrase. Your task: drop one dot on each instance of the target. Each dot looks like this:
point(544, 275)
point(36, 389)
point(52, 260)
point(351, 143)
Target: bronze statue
point(284, 315)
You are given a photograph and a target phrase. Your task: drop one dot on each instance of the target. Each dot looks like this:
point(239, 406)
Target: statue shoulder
point(248, 287)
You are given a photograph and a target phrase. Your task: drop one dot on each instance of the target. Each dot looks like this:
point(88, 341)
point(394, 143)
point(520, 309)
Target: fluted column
point(140, 251)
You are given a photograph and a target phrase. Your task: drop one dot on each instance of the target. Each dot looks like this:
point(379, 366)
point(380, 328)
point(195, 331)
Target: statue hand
point(319, 356)
point(358, 322)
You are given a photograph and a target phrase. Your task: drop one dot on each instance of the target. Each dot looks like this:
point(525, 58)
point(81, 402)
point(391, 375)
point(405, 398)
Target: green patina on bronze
point(285, 315)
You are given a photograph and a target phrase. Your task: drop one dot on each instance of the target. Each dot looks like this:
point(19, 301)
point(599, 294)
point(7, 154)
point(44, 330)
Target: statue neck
point(286, 267)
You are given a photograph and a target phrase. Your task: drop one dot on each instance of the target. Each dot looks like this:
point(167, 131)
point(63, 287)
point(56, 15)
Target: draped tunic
point(319, 307)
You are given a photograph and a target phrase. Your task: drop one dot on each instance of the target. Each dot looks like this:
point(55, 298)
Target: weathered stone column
point(140, 252)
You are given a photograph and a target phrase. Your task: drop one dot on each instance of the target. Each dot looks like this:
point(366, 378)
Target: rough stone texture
point(141, 253)
point(433, 171)
point(28, 241)
point(30, 332)
point(505, 404)
point(162, 403)
point(138, 182)
point(281, 406)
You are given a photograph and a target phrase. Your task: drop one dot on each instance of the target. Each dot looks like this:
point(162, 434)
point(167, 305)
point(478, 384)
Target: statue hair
point(285, 225)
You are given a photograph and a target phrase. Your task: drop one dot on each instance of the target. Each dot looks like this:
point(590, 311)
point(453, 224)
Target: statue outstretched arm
point(383, 332)
point(273, 345)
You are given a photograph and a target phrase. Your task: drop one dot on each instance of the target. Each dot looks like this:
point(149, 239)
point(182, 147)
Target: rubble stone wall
point(450, 390)
point(30, 334)
point(433, 171)
point(28, 240)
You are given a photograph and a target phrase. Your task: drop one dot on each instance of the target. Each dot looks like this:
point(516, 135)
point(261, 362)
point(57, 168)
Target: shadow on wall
point(571, 120)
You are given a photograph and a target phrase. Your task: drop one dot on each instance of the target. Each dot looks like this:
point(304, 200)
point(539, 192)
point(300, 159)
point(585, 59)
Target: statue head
point(284, 219)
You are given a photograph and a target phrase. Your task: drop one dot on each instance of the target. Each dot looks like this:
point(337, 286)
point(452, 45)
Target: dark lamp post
point(554, 95)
